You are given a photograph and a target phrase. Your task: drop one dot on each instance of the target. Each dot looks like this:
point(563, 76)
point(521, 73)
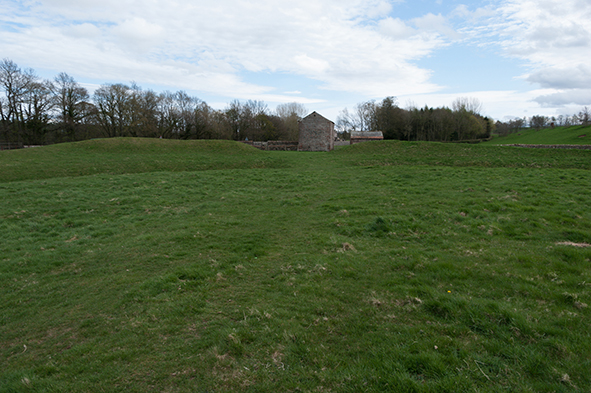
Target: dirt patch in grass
point(573, 244)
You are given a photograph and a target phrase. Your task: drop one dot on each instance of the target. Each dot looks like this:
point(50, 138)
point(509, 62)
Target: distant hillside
point(577, 135)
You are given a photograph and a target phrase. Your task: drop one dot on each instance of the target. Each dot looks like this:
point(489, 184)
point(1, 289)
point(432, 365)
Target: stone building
point(316, 133)
point(365, 136)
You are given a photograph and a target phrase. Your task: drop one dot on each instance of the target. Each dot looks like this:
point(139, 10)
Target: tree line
point(539, 122)
point(34, 111)
point(460, 123)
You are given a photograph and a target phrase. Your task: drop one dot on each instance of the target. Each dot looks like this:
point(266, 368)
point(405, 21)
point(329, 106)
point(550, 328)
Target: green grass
point(576, 135)
point(149, 265)
point(129, 155)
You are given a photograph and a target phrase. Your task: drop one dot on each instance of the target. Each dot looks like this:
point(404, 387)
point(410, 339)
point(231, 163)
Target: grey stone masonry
point(316, 133)
point(273, 145)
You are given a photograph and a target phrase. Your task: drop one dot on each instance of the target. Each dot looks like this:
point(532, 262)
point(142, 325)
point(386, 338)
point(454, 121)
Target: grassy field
point(576, 135)
point(143, 265)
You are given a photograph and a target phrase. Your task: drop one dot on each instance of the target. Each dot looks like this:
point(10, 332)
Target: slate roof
point(317, 114)
point(367, 134)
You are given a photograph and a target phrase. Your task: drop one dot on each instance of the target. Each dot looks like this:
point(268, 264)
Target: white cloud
point(562, 78)
point(547, 33)
point(311, 66)
point(354, 46)
point(137, 33)
point(395, 28)
point(83, 30)
point(462, 11)
point(497, 104)
point(554, 38)
point(378, 10)
point(580, 97)
point(436, 23)
point(206, 46)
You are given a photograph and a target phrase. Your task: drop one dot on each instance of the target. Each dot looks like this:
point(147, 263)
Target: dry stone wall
point(580, 147)
point(274, 145)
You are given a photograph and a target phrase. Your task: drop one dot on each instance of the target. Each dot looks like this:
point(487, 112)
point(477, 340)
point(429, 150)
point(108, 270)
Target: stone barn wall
point(316, 133)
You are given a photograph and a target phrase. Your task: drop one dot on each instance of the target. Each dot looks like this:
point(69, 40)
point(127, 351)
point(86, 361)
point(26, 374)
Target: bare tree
point(516, 124)
point(364, 118)
point(245, 119)
point(144, 113)
point(71, 102)
point(16, 84)
point(219, 127)
point(254, 117)
point(206, 122)
point(186, 110)
point(290, 109)
point(468, 104)
point(233, 115)
point(366, 115)
point(585, 116)
point(346, 122)
point(291, 113)
point(560, 120)
point(113, 109)
point(538, 122)
point(37, 105)
point(4, 122)
point(169, 115)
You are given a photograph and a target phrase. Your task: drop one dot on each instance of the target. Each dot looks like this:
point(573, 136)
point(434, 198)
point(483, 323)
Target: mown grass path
point(378, 267)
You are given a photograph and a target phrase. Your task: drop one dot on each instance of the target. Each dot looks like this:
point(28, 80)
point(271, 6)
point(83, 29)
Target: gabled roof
point(316, 114)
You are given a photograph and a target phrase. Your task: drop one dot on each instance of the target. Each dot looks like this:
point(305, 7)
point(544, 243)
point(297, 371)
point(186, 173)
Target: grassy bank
point(129, 155)
point(576, 135)
point(175, 266)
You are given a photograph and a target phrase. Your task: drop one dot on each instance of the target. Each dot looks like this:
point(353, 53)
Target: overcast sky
point(519, 57)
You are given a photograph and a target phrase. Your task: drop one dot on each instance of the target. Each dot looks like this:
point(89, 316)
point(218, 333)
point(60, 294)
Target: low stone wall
point(274, 145)
point(282, 145)
point(258, 145)
point(580, 147)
